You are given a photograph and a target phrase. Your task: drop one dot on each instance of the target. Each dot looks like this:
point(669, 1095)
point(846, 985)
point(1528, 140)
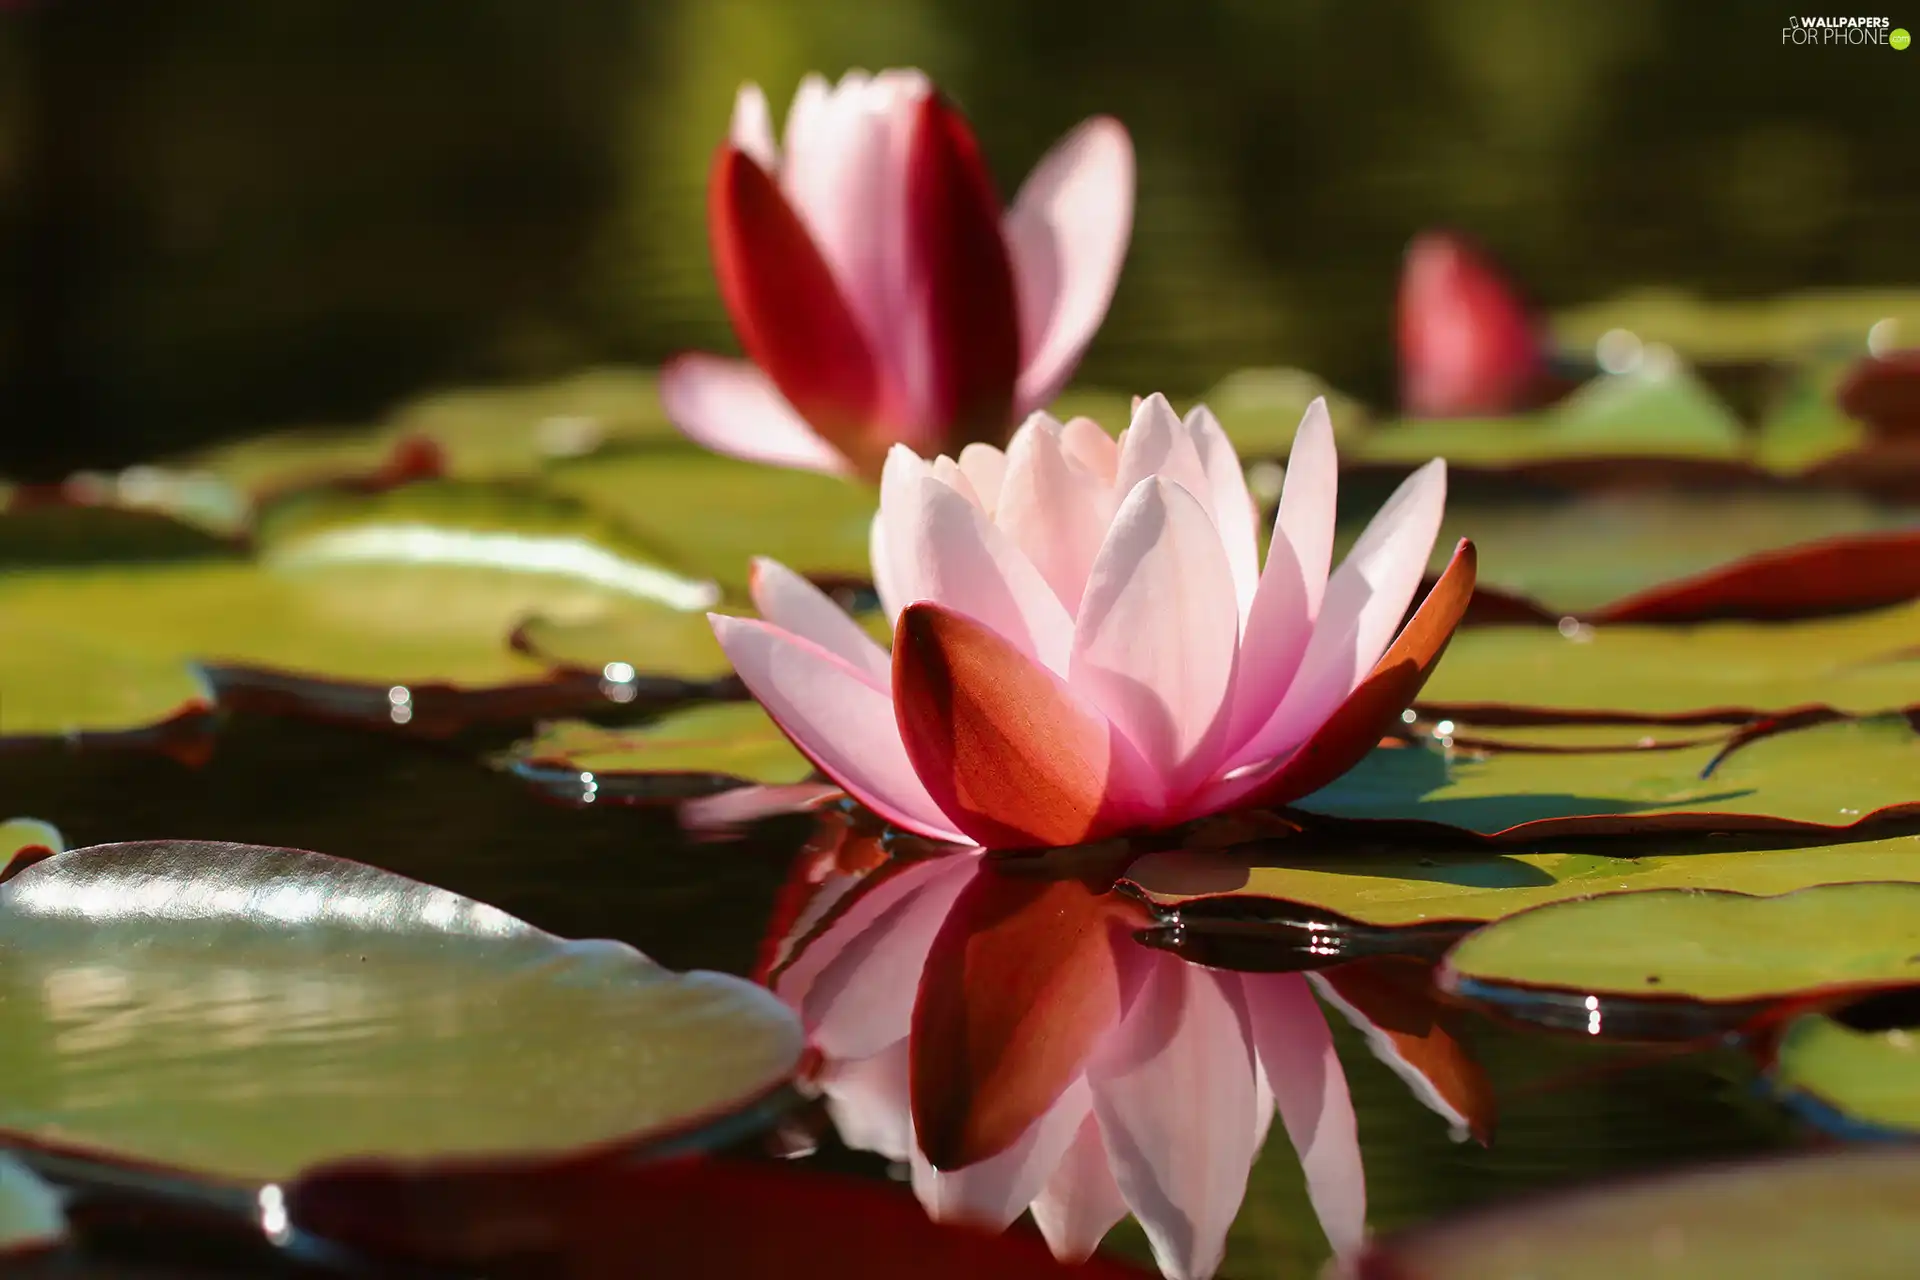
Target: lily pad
point(1702, 946)
point(1822, 778)
point(1576, 554)
point(1792, 326)
point(1841, 1215)
point(241, 1014)
point(112, 648)
point(1733, 670)
point(724, 741)
point(1870, 1080)
point(718, 513)
point(31, 1216)
point(24, 841)
point(1448, 893)
point(481, 432)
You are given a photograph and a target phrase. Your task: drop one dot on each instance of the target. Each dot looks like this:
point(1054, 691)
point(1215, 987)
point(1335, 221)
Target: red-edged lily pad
point(1730, 956)
point(239, 1015)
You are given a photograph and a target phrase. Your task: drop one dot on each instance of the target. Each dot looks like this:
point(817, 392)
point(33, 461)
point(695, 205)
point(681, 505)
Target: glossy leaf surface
point(1868, 1079)
point(1720, 947)
point(243, 1013)
point(728, 739)
point(1847, 1215)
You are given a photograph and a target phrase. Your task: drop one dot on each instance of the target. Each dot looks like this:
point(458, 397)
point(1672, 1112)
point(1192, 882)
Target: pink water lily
point(880, 291)
point(1177, 1072)
point(1468, 344)
point(1086, 641)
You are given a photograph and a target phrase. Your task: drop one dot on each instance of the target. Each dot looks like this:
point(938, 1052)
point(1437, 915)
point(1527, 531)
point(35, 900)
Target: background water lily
point(880, 291)
point(1085, 640)
point(1175, 1073)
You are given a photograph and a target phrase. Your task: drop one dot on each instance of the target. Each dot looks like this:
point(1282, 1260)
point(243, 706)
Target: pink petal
point(728, 406)
point(1154, 643)
point(890, 576)
point(1310, 1090)
point(948, 472)
point(1067, 232)
point(751, 129)
point(1287, 600)
point(861, 999)
point(942, 548)
point(993, 1192)
point(867, 1101)
point(795, 605)
point(846, 175)
point(986, 468)
point(1156, 443)
point(1228, 501)
point(1052, 509)
point(1366, 600)
point(836, 719)
point(1177, 1097)
point(1087, 443)
point(1081, 1202)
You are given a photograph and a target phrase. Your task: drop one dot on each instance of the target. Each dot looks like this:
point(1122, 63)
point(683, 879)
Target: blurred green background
point(216, 217)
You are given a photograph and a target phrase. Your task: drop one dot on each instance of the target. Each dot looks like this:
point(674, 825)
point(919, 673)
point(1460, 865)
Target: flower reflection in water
point(1091, 1076)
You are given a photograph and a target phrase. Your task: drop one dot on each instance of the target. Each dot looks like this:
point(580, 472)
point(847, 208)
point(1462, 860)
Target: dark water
point(1570, 1110)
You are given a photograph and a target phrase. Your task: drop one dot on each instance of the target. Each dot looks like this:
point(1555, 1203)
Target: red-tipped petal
point(1467, 342)
point(1011, 755)
point(1372, 709)
point(1023, 980)
point(960, 265)
point(786, 307)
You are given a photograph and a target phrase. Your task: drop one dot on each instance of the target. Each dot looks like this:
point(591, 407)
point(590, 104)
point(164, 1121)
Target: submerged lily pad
point(1841, 1215)
point(1688, 944)
point(1736, 670)
point(242, 1014)
point(723, 740)
point(1870, 1080)
point(1451, 892)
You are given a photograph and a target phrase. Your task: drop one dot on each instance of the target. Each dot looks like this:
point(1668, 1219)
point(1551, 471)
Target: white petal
point(1081, 1201)
point(1228, 501)
point(993, 1193)
point(752, 128)
point(728, 406)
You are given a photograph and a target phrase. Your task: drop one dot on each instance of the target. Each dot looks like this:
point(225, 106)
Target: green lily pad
point(1575, 554)
point(725, 739)
point(1454, 891)
point(718, 513)
point(491, 432)
point(1859, 664)
point(1669, 413)
point(1840, 1215)
point(242, 1014)
point(31, 1216)
point(1871, 1079)
point(1791, 326)
point(1823, 777)
point(418, 586)
point(1706, 946)
point(25, 840)
point(63, 535)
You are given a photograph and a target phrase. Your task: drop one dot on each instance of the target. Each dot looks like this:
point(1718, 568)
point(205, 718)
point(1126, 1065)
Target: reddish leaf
point(959, 263)
point(787, 309)
point(668, 1218)
point(1004, 748)
point(1392, 1000)
point(1884, 392)
point(1022, 981)
point(1832, 575)
point(1374, 708)
point(1467, 342)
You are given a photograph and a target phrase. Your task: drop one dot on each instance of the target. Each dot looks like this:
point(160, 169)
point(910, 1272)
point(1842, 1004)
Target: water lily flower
point(1085, 641)
point(1468, 344)
point(881, 292)
point(1127, 1080)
